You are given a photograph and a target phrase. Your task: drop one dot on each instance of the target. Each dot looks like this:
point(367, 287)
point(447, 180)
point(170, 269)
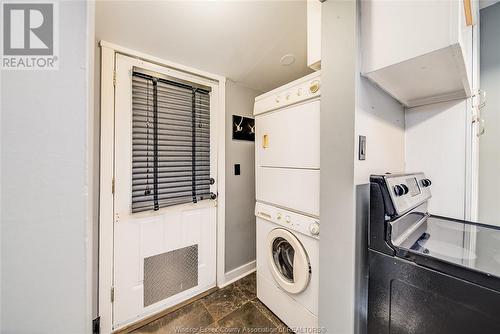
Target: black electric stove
point(428, 274)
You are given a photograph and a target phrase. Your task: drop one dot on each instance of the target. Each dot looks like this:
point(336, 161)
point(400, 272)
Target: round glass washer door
point(288, 261)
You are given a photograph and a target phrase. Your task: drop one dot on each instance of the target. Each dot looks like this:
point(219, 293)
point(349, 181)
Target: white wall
point(382, 120)
point(45, 230)
point(338, 230)
point(240, 189)
point(436, 145)
point(489, 151)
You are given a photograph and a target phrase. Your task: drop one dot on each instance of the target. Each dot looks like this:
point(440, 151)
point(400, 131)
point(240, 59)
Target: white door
point(289, 137)
point(166, 256)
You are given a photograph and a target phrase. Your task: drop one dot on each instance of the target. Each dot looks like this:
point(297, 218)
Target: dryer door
point(289, 137)
point(288, 261)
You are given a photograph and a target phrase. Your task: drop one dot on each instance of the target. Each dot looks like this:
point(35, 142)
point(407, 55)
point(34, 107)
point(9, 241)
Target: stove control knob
point(314, 228)
point(398, 190)
point(405, 189)
point(426, 182)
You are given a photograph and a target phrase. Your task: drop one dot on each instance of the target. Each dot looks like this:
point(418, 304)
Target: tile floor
point(233, 309)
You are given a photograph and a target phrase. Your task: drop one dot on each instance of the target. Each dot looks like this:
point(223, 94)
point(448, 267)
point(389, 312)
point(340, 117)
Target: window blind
point(170, 143)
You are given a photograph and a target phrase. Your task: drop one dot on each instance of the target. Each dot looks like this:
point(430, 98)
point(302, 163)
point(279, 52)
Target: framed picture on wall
point(243, 128)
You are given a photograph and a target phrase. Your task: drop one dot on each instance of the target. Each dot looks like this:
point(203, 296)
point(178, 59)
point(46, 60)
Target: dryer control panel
point(302, 89)
point(294, 221)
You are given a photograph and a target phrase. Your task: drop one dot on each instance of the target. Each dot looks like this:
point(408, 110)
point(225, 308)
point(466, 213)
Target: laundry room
point(305, 166)
point(244, 61)
point(250, 210)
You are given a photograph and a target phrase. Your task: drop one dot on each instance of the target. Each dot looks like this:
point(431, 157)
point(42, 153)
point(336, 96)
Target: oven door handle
point(399, 240)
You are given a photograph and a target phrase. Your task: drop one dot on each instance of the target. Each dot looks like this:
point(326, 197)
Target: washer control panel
point(291, 220)
point(314, 228)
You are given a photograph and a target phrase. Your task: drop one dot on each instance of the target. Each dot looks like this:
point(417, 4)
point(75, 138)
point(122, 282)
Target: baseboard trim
point(237, 273)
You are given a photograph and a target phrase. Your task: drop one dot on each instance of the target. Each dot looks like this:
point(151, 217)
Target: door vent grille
point(170, 273)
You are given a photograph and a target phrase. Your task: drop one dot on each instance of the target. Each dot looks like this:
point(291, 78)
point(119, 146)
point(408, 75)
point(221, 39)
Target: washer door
point(288, 261)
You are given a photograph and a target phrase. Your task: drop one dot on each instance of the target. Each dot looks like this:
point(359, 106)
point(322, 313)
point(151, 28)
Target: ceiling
point(242, 40)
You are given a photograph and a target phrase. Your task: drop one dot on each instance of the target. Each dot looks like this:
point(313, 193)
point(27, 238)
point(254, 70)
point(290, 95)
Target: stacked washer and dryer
point(287, 156)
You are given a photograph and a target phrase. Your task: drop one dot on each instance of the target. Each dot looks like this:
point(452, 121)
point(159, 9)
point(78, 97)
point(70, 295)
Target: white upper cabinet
point(417, 51)
point(314, 34)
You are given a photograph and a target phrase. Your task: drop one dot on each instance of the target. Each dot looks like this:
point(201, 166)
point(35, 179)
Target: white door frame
point(106, 198)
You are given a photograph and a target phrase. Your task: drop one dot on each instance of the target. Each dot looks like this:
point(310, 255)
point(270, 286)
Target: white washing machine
point(287, 265)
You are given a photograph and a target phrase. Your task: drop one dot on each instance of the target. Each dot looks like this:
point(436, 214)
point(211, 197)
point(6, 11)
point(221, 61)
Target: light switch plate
point(362, 148)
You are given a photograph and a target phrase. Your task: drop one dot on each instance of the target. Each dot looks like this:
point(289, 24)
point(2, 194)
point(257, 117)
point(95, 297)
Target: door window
point(283, 254)
point(170, 142)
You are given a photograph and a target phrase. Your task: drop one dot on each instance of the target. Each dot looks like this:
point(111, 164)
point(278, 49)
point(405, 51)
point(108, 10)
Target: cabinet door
point(289, 137)
point(314, 34)
point(417, 51)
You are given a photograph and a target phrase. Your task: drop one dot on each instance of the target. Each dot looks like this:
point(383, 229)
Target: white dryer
point(287, 265)
point(287, 147)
